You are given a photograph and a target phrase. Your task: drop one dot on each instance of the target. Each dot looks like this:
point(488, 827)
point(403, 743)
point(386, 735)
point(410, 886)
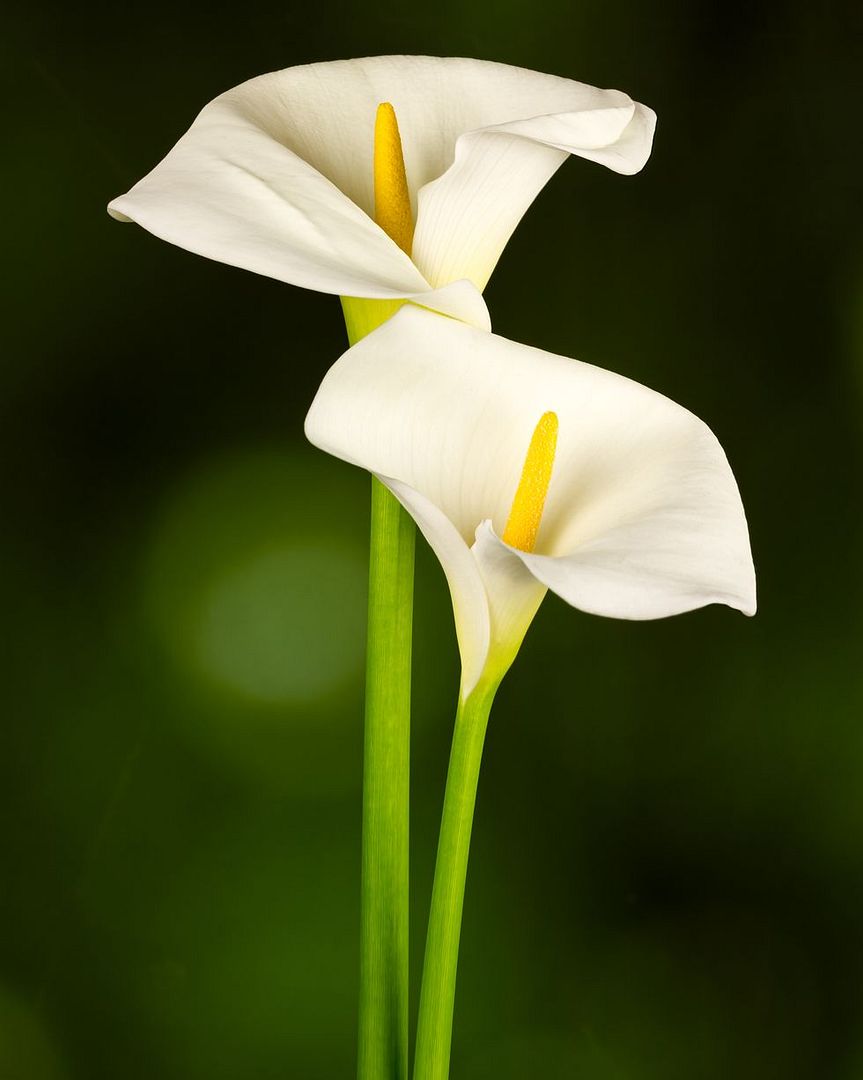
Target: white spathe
point(276, 175)
point(642, 520)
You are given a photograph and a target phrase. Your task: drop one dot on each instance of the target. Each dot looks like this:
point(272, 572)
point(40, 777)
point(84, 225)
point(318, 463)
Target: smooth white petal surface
point(233, 189)
point(643, 518)
point(276, 175)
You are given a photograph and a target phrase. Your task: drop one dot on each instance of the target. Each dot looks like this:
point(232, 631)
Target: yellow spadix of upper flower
point(392, 197)
point(525, 516)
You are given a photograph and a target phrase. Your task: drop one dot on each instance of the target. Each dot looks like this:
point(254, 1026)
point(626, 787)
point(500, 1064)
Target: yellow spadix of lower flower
point(525, 516)
point(392, 197)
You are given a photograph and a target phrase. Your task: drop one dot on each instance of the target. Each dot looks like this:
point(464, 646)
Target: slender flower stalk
point(437, 995)
point(384, 918)
point(385, 887)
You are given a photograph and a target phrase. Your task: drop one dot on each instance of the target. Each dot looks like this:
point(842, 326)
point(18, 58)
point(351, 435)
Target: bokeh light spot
point(254, 585)
point(283, 626)
point(255, 597)
point(26, 1048)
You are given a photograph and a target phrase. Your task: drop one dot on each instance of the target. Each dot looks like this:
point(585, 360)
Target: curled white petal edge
point(467, 589)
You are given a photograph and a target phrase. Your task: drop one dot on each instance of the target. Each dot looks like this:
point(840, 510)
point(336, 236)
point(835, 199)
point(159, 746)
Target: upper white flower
point(527, 471)
point(276, 175)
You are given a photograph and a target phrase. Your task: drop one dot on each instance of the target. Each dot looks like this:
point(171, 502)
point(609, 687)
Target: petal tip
point(116, 214)
point(749, 606)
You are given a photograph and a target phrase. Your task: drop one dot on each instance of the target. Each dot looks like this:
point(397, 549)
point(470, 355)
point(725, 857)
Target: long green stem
point(437, 996)
point(383, 1006)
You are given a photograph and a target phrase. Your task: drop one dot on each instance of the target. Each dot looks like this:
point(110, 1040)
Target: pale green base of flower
point(362, 316)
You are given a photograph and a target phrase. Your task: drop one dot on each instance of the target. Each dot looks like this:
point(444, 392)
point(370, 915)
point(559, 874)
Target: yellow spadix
point(392, 197)
point(525, 516)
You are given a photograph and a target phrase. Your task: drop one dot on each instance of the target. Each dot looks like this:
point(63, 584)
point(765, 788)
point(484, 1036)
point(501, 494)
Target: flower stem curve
point(437, 995)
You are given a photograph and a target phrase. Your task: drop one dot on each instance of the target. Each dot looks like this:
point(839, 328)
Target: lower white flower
point(528, 471)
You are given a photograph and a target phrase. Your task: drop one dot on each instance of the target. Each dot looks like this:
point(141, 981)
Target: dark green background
point(667, 874)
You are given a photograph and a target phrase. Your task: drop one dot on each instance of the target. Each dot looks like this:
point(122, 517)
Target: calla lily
point(528, 471)
point(276, 175)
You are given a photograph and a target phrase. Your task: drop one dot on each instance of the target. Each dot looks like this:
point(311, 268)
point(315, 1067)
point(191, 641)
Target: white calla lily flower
point(276, 175)
point(528, 471)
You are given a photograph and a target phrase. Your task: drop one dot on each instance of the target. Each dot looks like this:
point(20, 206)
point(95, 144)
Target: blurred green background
point(667, 874)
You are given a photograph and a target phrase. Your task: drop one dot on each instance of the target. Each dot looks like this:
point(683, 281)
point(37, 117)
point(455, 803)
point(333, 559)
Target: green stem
point(437, 996)
point(383, 1006)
